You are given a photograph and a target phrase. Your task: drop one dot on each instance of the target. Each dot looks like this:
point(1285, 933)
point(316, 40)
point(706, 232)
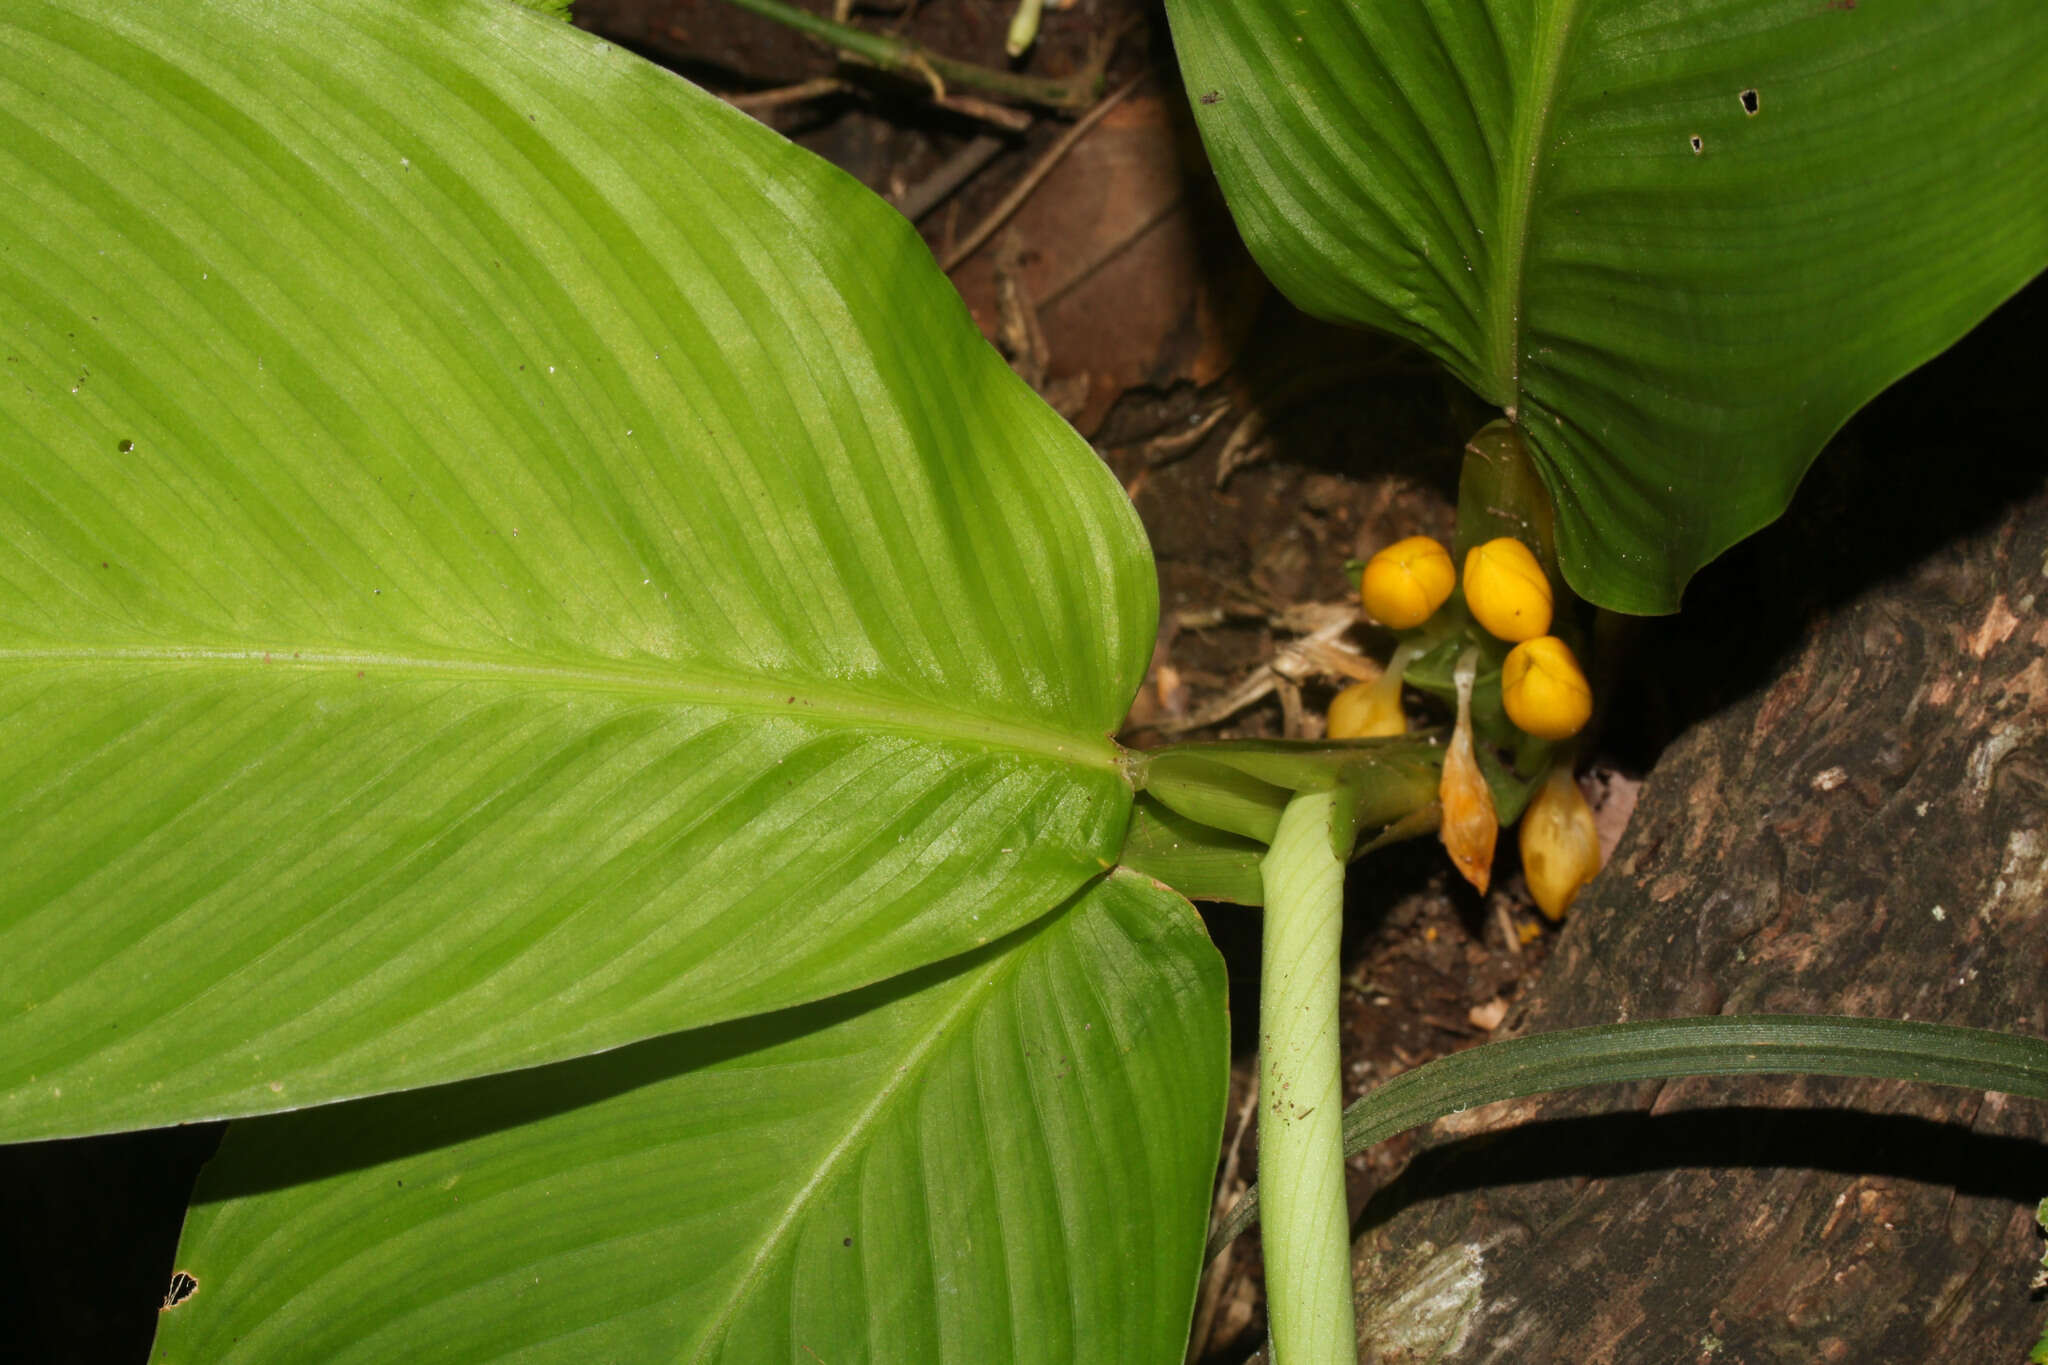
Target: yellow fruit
point(1368, 710)
point(1506, 590)
point(1543, 690)
point(1405, 583)
point(1560, 847)
point(1470, 825)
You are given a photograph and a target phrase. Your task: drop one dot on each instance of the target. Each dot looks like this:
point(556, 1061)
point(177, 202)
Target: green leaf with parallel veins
point(1005, 1158)
point(1663, 1049)
point(1680, 243)
point(501, 556)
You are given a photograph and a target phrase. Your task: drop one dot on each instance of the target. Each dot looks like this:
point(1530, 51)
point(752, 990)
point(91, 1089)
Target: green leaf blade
point(470, 292)
point(1515, 187)
point(1336, 195)
point(1665, 1049)
point(1007, 1159)
point(642, 860)
point(501, 557)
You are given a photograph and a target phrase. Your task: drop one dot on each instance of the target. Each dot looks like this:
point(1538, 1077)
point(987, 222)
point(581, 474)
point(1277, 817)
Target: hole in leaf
point(1750, 102)
point(1699, 144)
point(183, 1285)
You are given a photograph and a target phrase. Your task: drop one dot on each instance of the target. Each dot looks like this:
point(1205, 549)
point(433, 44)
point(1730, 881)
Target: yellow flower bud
point(1506, 589)
point(1543, 690)
point(1470, 825)
point(1405, 583)
point(1560, 847)
point(1367, 711)
point(1373, 710)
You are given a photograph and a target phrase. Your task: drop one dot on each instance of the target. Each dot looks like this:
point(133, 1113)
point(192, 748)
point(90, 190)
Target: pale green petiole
point(1023, 27)
point(1301, 1101)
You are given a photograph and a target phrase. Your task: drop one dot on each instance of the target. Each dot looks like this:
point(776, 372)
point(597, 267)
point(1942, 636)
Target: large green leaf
point(1005, 1159)
point(500, 556)
point(1679, 241)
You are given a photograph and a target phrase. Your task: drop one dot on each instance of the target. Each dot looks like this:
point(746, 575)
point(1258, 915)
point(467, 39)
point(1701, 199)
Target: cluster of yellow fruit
point(1506, 591)
point(1542, 689)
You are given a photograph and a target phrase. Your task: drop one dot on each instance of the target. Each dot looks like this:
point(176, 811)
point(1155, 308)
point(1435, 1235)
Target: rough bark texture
point(1865, 833)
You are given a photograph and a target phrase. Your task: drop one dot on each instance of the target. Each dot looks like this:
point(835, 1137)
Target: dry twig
point(1166, 449)
point(911, 59)
point(928, 193)
point(1321, 652)
point(757, 102)
point(1014, 200)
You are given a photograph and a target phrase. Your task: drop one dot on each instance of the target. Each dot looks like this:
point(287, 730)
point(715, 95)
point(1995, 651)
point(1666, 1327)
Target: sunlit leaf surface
point(1002, 1159)
point(500, 556)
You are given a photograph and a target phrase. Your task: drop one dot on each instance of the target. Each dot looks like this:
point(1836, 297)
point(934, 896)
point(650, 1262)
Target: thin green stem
point(912, 59)
point(1301, 1099)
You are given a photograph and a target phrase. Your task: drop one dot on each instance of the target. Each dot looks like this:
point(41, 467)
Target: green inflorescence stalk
point(1301, 1100)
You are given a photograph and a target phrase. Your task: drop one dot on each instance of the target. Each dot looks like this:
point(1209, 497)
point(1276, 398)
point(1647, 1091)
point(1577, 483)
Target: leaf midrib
point(909, 1069)
point(1531, 123)
point(672, 683)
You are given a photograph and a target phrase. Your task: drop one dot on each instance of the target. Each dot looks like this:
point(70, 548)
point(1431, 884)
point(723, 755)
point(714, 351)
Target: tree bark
point(1866, 834)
